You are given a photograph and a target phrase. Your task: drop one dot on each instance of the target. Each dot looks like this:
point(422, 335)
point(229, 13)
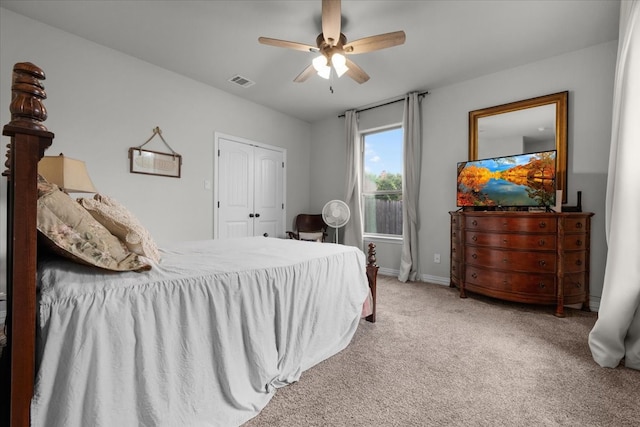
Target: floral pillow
point(122, 224)
point(70, 231)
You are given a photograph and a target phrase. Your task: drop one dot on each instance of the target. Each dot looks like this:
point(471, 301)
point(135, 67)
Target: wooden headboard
point(29, 139)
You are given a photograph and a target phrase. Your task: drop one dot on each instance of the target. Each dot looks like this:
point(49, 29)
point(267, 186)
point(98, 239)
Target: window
point(382, 182)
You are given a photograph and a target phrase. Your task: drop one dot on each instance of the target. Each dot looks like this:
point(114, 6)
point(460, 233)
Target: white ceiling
point(447, 41)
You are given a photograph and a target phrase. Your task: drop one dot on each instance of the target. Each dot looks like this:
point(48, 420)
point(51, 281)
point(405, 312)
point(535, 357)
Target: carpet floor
point(433, 359)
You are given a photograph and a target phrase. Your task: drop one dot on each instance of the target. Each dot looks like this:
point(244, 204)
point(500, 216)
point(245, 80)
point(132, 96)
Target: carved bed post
point(372, 275)
point(29, 139)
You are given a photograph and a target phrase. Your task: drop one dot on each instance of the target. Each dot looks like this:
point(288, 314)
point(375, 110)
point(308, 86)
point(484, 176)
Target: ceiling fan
point(333, 47)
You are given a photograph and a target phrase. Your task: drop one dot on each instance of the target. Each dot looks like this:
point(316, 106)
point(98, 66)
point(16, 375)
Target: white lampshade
point(339, 64)
point(320, 65)
point(68, 174)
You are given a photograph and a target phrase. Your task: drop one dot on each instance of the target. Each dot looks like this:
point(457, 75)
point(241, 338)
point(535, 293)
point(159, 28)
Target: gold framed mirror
point(526, 126)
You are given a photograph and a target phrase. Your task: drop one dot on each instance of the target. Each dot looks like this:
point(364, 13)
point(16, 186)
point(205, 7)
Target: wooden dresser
point(529, 257)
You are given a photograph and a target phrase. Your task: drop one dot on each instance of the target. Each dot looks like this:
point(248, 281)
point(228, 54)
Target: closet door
point(235, 189)
point(250, 183)
point(267, 197)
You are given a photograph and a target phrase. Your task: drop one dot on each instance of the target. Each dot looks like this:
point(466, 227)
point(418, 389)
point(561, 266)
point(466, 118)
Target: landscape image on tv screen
point(518, 180)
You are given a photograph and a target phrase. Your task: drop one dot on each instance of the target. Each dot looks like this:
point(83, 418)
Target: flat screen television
point(521, 180)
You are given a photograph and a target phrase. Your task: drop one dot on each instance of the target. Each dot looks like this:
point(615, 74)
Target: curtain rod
point(421, 94)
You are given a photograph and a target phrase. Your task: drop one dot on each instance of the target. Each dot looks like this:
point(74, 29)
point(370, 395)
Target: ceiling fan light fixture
point(320, 65)
point(339, 63)
point(325, 73)
point(319, 62)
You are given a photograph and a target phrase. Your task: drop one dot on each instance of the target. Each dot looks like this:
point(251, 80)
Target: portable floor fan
point(336, 214)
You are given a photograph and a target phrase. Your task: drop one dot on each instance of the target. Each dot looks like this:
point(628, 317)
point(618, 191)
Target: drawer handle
point(578, 262)
point(504, 282)
point(474, 222)
point(474, 275)
point(542, 263)
point(578, 242)
point(454, 221)
point(453, 268)
point(505, 241)
point(454, 234)
point(474, 256)
point(474, 238)
point(505, 260)
point(542, 224)
point(453, 250)
point(541, 242)
point(578, 285)
point(578, 225)
point(541, 285)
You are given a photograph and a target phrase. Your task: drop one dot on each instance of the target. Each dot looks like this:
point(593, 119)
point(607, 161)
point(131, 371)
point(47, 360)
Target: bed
point(203, 335)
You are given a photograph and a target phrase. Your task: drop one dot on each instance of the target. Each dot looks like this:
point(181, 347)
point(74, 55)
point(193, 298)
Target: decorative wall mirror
point(527, 126)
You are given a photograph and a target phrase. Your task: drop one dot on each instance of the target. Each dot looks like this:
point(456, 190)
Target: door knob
point(257, 215)
point(266, 234)
point(251, 215)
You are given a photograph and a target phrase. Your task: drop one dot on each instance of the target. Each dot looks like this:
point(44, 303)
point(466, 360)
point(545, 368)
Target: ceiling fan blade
point(369, 44)
point(287, 44)
point(331, 17)
point(305, 74)
point(356, 73)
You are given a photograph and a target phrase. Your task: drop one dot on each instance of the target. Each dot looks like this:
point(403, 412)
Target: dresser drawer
point(456, 235)
point(455, 274)
point(574, 262)
point(575, 285)
point(572, 224)
point(455, 251)
point(574, 242)
point(540, 242)
point(544, 262)
point(517, 283)
point(529, 224)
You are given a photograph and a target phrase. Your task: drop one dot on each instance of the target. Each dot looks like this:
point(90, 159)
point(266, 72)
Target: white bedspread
point(202, 339)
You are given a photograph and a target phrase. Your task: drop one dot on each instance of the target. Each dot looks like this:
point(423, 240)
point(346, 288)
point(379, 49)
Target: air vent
point(241, 81)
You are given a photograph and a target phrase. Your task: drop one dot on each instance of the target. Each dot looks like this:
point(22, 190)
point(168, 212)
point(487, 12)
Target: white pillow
point(313, 237)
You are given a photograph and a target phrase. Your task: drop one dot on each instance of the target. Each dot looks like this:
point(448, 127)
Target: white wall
point(587, 74)
point(101, 102)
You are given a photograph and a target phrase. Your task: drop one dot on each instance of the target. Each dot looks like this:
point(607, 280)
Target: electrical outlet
point(436, 258)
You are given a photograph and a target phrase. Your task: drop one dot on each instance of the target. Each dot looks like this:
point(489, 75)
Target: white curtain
point(353, 229)
point(409, 260)
point(616, 334)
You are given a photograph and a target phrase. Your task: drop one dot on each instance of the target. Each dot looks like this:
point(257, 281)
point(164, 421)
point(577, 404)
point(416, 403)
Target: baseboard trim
point(388, 272)
point(438, 280)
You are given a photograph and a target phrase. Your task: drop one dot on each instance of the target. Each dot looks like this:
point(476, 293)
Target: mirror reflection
point(521, 131)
